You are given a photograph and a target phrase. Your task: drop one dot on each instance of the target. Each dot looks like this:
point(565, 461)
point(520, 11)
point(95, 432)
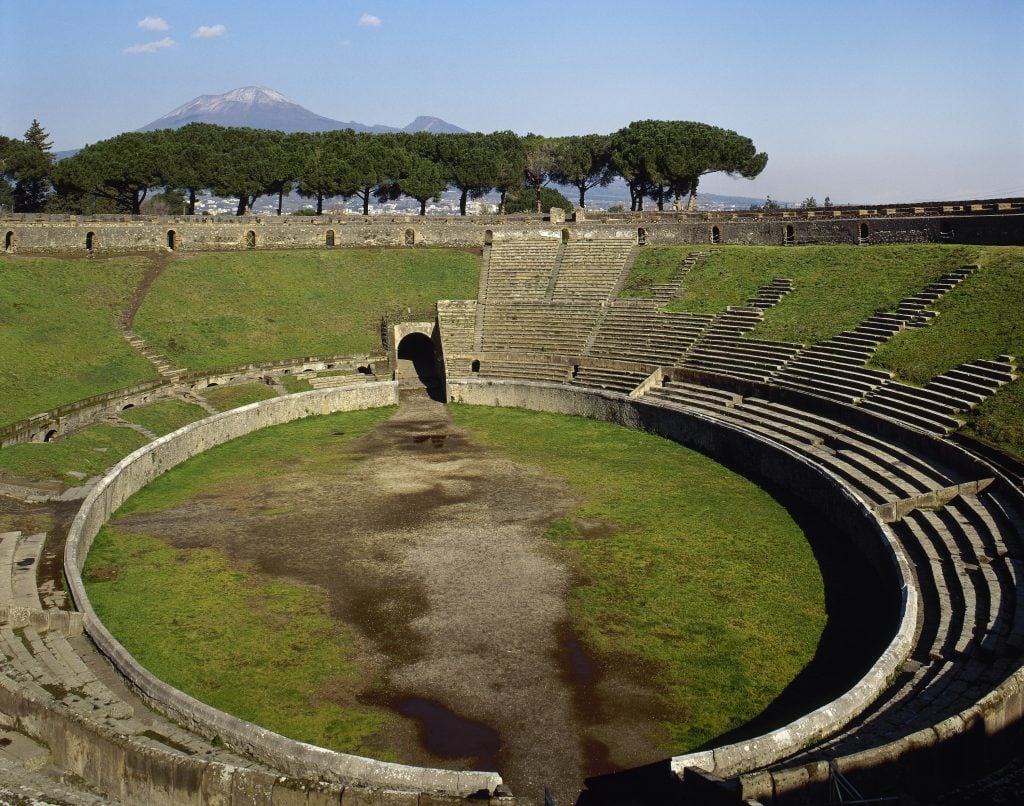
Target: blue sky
point(862, 101)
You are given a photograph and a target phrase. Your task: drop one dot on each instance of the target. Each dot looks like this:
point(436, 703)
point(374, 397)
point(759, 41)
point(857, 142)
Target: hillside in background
point(264, 108)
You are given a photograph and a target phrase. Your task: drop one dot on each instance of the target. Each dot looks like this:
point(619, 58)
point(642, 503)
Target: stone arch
point(329, 238)
point(250, 239)
point(865, 232)
point(641, 236)
point(716, 234)
point(565, 235)
point(417, 363)
point(475, 366)
point(410, 237)
point(127, 406)
point(946, 231)
point(90, 241)
point(171, 239)
point(790, 236)
point(50, 435)
point(488, 237)
point(8, 240)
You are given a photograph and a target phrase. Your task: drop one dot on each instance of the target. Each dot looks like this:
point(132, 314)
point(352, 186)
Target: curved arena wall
point(295, 758)
point(767, 460)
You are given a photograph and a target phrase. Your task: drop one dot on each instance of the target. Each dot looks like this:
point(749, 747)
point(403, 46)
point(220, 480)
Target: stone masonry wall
point(115, 234)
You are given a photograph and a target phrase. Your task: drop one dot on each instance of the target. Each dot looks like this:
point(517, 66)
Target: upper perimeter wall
point(997, 223)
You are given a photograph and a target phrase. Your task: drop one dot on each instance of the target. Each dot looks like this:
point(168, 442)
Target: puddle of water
point(448, 735)
point(437, 440)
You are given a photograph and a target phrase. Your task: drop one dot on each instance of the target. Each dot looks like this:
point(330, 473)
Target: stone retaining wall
point(303, 761)
point(28, 233)
point(735, 447)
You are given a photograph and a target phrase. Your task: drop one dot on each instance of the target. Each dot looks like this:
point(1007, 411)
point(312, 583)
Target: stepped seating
point(591, 269)
point(19, 559)
point(635, 330)
point(520, 269)
point(456, 320)
point(935, 406)
point(967, 556)
point(537, 327)
point(723, 350)
point(613, 380)
point(524, 370)
point(834, 368)
point(664, 293)
point(968, 564)
point(334, 381)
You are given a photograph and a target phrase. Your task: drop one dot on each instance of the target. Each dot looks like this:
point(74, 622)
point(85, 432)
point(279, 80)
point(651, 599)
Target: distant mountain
point(263, 108)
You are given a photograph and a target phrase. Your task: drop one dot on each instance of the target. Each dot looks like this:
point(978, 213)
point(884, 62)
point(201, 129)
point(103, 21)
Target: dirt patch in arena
point(433, 549)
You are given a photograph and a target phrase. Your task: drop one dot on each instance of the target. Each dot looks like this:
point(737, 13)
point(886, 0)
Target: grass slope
point(88, 452)
point(224, 398)
point(981, 318)
point(706, 580)
point(58, 336)
point(263, 649)
point(835, 287)
point(165, 416)
point(213, 310)
point(653, 267)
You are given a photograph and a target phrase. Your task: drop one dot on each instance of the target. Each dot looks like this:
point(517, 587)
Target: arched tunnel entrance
point(417, 365)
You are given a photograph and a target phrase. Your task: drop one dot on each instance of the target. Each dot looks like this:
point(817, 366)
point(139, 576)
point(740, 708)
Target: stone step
point(935, 423)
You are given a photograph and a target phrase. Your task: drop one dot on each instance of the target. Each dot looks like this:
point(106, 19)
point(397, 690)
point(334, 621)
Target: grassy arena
point(699, 577)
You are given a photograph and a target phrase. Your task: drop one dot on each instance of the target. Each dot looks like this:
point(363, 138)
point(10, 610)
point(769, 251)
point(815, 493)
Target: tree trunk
point(366, 201)
point(691, 203)
point(319, 202)
point(537, 191)
point(191, 201)
point(582, 193)
point(501, 202)
point(280, 199)
point(243, 203)
point(661, 199)
point(423, 206)
point(137, 199)
point(462, 202)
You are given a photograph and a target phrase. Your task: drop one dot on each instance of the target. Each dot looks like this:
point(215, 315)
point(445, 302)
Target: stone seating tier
point(614, 380)
point(968, 567)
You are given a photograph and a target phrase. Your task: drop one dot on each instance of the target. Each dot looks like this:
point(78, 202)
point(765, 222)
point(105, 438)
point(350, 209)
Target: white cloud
point(369, 21)
point(150, 47)
point(154, 24)
point(209, 31)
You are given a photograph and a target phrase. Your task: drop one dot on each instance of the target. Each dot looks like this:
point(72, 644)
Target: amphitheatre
point(386, 427)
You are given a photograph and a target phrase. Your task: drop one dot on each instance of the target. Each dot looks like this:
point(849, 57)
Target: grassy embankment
point(837, 287)
point(702, 580)
point(164, 416)
point(58, 331)
point(263, 649)
point(270, 305)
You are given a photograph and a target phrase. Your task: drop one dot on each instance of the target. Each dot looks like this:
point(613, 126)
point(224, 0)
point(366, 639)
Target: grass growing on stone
point(983, 317)
point(87, 452)
point(653, 266)
point(295, 383)
point(705, 578)
point(165, 416)
point(58, 336)
point(262, 649)
point(214, 310)
point(224, 398)
point(834, 287)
